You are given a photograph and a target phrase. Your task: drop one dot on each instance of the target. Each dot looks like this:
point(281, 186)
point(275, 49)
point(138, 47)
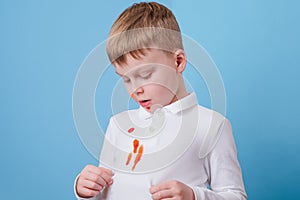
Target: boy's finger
point(97, 179)
point(104, 173)
point(100, 170)
point(108, 171)
point(160, 186)
point(92, 185)
point(107, 178)
point(163, 194)
point(90, 168)
point(88, 192)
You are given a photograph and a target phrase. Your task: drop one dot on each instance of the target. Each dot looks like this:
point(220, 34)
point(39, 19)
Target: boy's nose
point(139, 90)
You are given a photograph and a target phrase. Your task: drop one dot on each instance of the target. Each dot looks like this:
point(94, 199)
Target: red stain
point(128, 158)
point(140, 148)
point(130, 130)
point(138, 157)
point(135, 145)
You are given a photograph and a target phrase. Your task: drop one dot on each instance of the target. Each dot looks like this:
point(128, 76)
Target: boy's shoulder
point(209, 114)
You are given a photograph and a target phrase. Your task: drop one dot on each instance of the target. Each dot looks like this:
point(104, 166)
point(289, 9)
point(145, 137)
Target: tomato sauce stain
point(130, 130)
point(128, 158)
point(135, 145)
point(137, 149)
point(138, 157)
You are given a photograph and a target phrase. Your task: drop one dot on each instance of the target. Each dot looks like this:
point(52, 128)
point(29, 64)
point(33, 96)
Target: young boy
point(171, 147)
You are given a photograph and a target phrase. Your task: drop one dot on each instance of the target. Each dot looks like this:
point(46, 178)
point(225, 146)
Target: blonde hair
point(140, 27)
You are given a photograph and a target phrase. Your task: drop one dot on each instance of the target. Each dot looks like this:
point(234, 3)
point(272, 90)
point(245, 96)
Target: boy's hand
point(172, 190)
point(92, 180)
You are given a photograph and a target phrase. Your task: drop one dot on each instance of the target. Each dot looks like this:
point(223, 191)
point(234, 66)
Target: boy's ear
point(180, 58)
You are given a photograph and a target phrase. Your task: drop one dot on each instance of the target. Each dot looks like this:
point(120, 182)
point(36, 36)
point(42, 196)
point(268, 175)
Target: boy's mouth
point(145, 103)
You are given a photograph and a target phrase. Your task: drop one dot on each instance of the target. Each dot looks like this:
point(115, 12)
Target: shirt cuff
point(198, 193)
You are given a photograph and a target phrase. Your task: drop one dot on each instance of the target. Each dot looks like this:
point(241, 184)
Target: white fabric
point(209, 159)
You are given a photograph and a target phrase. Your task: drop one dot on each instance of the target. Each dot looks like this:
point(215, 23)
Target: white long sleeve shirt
point(183, 141)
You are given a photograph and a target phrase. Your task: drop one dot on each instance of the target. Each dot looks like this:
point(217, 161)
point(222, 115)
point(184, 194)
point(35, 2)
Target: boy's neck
point(181, 93)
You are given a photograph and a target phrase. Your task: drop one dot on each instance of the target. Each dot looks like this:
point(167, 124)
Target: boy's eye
point(126, 80)
point(146, 76)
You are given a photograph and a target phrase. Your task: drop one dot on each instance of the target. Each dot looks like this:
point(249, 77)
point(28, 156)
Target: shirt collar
point(174, 108)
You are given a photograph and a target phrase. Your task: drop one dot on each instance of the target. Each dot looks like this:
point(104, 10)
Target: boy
point(173, 147)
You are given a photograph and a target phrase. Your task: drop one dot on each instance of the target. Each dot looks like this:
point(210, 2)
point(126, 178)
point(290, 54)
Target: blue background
point(255, 45)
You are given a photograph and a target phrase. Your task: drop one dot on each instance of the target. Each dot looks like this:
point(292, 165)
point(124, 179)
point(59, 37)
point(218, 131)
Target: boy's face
point(153, 80)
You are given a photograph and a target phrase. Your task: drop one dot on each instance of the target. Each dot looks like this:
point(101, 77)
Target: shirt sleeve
point(225, 176)
point(108, 136)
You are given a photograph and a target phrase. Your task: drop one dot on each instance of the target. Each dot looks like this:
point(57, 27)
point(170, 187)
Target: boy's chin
point(154, 108)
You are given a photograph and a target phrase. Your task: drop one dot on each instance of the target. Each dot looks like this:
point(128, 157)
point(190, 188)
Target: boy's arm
point(225, 173)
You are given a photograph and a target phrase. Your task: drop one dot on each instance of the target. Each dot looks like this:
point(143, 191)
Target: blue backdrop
point(255, 45)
